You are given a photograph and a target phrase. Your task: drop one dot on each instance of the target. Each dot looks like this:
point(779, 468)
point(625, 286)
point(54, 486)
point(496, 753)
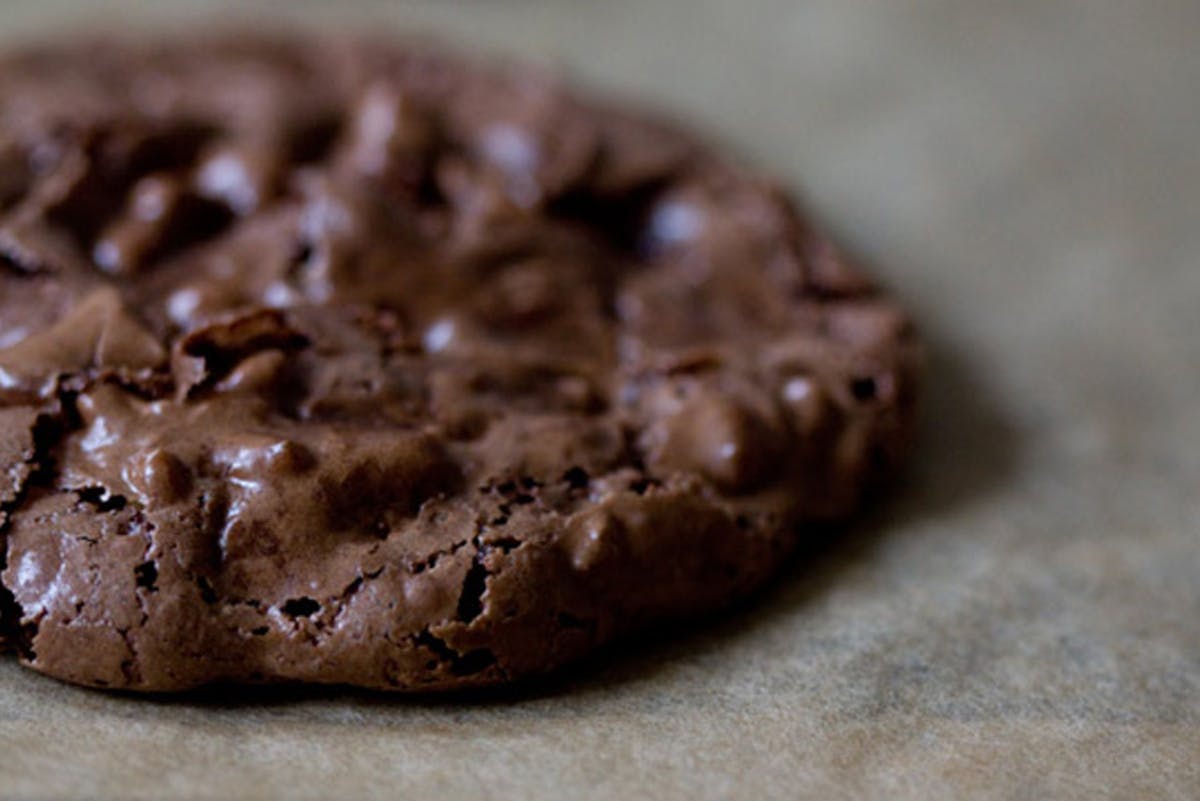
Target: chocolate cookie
point(345, 362)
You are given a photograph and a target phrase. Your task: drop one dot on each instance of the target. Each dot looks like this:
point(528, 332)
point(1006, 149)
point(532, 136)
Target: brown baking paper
point(1020, 619)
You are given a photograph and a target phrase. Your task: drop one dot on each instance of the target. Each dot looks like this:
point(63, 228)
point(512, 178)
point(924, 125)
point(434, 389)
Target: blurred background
point(1019, 619)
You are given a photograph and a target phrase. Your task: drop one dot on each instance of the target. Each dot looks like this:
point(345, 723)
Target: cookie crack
point(459, 664)
point(430, 561)
point(130, 670)
point(46, 434)
point(343, 600)
point(470, 599)
point(145, 572)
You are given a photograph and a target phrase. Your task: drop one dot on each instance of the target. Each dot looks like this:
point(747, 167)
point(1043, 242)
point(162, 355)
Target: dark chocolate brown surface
point(340, 362)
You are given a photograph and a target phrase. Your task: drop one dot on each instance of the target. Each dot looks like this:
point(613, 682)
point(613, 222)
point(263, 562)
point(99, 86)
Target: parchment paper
point(1021, 619)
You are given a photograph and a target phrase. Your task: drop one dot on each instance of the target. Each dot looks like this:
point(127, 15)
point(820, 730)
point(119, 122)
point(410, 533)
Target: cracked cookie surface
point(344, 362)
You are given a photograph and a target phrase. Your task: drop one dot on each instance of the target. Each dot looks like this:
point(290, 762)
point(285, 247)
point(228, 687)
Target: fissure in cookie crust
point(333, 361)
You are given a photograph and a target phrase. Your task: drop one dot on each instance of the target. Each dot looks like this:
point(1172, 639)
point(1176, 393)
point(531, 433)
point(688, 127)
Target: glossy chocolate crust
point(332, 361)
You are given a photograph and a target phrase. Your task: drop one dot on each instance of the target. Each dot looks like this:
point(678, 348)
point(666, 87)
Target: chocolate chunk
point(99, 332)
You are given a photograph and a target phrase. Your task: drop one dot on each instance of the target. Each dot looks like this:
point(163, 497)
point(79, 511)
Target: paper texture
point(1020, 620)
